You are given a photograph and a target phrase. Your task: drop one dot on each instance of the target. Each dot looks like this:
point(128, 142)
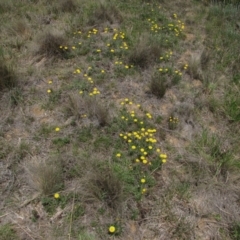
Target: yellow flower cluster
point(124, 45)
point(94, 92)
point(177, 72)
point(78, 32)
point(118, 35)
point(144, 134)
point(147, 135)
point(106, 30)
point(77, 71)
point(177, 27)
point(163, 158)
point(149, 115)
point(141, 142)
point(118, 63)
point(63, 47)
point(94, 31)
point(166, 56)
point(163, 70)
point(173, 119)
point(154, 27)
point(172, 122)
point(185, 66)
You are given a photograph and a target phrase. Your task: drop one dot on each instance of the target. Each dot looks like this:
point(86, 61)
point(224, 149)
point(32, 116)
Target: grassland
point(119, 120)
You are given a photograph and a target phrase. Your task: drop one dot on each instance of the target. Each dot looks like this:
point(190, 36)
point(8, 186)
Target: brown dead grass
point(107, 188)
point(105, 13)
point(80, 107)
point(8, 78)
point(45, 175)
point(49, 45)
point(145, 52)
point(68, 6)
point(158, 85)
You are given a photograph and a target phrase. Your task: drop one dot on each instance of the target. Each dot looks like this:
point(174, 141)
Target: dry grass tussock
point(195, 66)
point(78, 107)
point(67, 5)
point(49, 44)
point(45, 175)
point(158, 85)
point(103, 13)
point(106, 187)
point(145, 52)
point(8, 78)
point(19, 27)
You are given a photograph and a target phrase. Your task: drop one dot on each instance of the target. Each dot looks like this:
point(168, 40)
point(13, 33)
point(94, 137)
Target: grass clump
point(194, 67)
point(144, 53)
point(51, 45)
point(74, 106)
point(67, 6)
point(105, 13)
point(45, 175)
point(5, 6)
point(7, 233)
point(19, 28)
point(219, 160)
point(158, 85)
point(106, 187)
point(102, 114)
point(235, 231)
point(81, 107)
point(8, 78)
point(86, 236)
point(235, 3)
point(231, 104)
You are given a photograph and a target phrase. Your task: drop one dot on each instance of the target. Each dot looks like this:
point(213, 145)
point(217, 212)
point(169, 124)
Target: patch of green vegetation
point(51, 203)
point(7, 233)
point(54, 97)
point(60, 142)
point(78, 211)
point(235, 231)
point(221, 160)
point(102, 143)
point(45, 130)
point(158, 85)
point(183, 191)
point(85, 134)
point(232, 103)
point(86, 236)
point(5, 149)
